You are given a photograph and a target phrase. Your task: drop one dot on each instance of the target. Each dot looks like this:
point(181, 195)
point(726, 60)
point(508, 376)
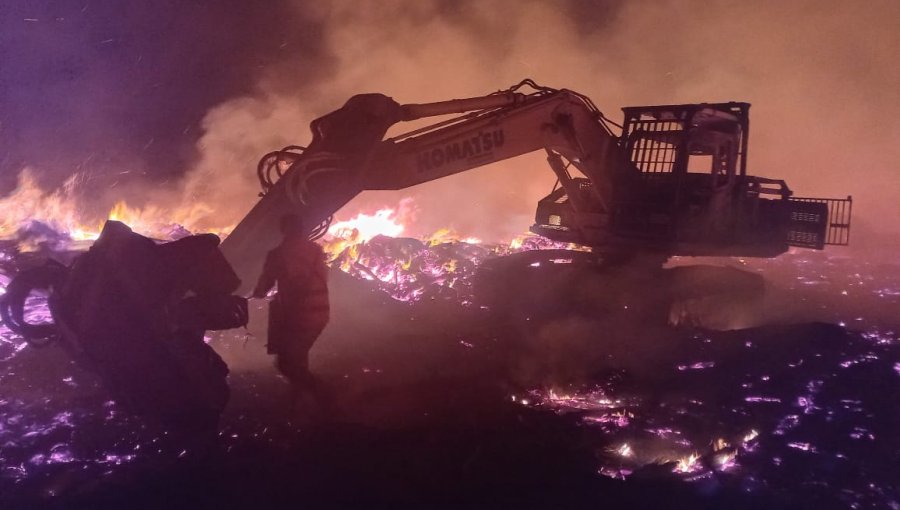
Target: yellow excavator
point(669, 180)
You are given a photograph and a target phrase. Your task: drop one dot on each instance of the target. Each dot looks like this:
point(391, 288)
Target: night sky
point(107, 87)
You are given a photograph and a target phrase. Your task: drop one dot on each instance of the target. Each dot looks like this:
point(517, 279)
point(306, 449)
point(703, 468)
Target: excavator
point(669, 180)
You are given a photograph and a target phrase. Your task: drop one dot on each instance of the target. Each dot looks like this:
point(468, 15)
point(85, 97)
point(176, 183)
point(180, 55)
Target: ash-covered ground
point(540, 383)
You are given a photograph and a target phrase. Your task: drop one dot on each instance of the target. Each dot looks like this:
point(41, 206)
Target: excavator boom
point(348, 155)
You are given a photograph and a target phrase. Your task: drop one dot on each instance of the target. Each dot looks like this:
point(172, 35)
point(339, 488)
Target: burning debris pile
point(441, 267)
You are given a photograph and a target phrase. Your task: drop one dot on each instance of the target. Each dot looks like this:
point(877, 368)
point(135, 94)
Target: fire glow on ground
point(797, 413)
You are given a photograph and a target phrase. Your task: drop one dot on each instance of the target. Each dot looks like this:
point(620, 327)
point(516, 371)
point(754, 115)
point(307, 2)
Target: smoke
point(116, 92)
point(415, 52)
point(819, 76)
point(185, 99)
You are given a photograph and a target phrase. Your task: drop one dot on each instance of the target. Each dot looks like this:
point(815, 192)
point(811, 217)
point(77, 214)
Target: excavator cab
point(694, 196)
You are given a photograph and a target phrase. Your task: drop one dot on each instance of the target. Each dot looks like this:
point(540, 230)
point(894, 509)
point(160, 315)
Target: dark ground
point(430, 406)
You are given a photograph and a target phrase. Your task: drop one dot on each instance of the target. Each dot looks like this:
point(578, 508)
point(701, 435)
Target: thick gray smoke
point(821, 79)
point(821, 76)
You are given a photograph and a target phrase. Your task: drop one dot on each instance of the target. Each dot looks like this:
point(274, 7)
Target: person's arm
point(266, 279)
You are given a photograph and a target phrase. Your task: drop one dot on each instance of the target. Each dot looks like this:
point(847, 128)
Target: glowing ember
point(587, 401)
point(688, 464)
point(410, 270)
point(806, 447)
point(750, 436)
point(755, 398)
point(700, 365)
point(724, 461)
point(784, 407)
point(787, 423)
point(618, 419)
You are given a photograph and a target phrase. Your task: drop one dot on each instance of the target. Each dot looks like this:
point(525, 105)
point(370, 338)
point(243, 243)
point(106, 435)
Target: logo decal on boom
point(481, 144)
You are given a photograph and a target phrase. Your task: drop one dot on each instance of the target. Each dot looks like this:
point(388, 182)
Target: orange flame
point(346, 236)
point(28, 202)
point(364, 227)
point(448, 235)
point(63, 212)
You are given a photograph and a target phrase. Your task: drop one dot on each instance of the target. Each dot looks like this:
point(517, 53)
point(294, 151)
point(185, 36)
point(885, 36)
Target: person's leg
point(293, 363)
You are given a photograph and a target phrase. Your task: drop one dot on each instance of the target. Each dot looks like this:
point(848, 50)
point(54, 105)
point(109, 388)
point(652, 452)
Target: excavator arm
point(348, 155)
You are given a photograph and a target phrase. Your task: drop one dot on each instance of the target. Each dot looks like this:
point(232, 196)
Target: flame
point(63, 213)
point(517, 242)
point(364, 227)
point(448, 235)
point(344, 238)
point(403, 268)
point(409, 269)
point(162, 223)
point(688, 464)
point(29, 203)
